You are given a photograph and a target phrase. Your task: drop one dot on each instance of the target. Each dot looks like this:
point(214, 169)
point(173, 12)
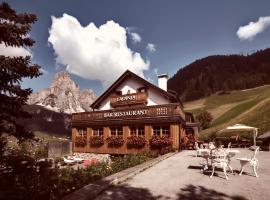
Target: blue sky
point(177, 32)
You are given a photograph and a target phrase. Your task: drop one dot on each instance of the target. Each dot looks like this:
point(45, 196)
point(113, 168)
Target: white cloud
point(135, 37)
point(151, 47)
point(95, 53)
point(13, 51)
point(156, 71)
point(43, 71)
point(249, 31)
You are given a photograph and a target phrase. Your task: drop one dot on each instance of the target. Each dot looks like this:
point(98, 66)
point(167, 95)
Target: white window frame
point(161, 130)
point(99, 131)
point(137, 129)
point(117, 131)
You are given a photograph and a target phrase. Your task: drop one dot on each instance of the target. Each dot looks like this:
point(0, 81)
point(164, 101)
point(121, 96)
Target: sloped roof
point(125, 75)
point(265, 135)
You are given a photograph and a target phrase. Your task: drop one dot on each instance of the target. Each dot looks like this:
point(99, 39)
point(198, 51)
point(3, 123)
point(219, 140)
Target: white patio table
point(206, 154)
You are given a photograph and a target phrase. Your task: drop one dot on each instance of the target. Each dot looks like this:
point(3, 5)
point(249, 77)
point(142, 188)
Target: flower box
point(96, 141)
point(115, 141)
point(80, 141)
point(160, 142)
point(136, 142)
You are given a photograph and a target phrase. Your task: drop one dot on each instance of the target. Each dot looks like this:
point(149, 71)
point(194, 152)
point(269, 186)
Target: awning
point(265, 135)
point(242, 127)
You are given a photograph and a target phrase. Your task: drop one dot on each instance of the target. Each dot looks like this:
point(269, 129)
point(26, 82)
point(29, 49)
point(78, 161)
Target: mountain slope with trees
point(221, 73)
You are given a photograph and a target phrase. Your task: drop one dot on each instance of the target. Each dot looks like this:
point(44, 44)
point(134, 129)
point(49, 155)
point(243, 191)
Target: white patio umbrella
point(242, 127)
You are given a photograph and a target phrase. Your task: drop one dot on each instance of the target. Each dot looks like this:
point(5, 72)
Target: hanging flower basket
point(80, 141)
point(96, 141)
point(136, 142)
point(115, 141)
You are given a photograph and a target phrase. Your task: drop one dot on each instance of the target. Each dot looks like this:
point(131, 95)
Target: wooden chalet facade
point(127, 117)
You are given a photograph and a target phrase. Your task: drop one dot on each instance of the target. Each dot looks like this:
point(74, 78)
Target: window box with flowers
point(80, 141)
point(159, 142)
point(136, 142)
point(115, 141)
point(96, 141)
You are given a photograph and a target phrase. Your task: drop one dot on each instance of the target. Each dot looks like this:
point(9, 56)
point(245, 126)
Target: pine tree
point(14, 32)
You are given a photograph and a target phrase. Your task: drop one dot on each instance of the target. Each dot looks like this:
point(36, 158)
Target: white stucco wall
point(154, 98)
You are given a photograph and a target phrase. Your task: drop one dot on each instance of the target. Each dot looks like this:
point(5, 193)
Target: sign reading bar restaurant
point(125, 113)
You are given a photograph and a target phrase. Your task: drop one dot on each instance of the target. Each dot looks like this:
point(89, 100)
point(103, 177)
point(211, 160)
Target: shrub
point(159, 142)
point(136, 142)
point(80, 141)
point(96, 141)
point(204, 118)
point(121, 163)
point(115, 141)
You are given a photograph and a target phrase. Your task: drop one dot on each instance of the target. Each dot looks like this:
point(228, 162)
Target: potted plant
point(136, 142)
point(96, 141)
point(115, 141)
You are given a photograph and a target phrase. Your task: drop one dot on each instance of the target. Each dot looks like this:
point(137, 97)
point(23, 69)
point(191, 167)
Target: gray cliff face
point(64, 95)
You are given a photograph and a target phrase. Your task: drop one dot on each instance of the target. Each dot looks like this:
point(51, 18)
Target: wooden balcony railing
point(131, 113)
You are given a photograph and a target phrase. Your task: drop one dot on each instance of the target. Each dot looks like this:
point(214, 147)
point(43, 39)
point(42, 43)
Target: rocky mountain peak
point(64, 95)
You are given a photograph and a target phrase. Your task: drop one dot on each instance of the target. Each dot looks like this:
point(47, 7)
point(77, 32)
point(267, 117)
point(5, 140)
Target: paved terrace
point(180, 177)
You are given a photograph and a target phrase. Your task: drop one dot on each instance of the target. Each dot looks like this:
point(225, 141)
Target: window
point(117, 131)
point(141, 131)
point(156, 130)
point(161, 130)
point(97, 131)
point(137, 131)
point(133, 131)
point(165, 130)
point(82, 132)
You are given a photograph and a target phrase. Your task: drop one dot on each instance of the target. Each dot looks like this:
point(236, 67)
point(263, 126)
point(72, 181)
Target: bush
point(115, 141)
point(96, 141)
point(204, 118)
point(22, 176)
point(80, 141)
point(136, 142)
point(121, 163)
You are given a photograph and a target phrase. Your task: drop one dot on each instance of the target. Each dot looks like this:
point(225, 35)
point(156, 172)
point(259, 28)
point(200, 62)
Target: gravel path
point(180, 177)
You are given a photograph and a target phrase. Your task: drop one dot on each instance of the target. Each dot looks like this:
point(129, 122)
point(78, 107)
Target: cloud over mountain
point(95, 53)
point(249, 31)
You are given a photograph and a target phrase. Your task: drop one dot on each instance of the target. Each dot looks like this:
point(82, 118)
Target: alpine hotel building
point(128, 115)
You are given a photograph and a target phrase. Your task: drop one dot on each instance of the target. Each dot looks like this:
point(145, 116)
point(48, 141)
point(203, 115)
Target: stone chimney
point(162, 81)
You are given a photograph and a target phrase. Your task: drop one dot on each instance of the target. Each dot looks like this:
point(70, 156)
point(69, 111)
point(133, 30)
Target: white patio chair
point(68, 161)
point(253, 161)
point(229, 145)
point(197, 148)
point(219, 159)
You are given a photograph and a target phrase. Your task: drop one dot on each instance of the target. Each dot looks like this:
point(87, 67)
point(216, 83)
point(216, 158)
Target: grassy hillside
point(250, 107)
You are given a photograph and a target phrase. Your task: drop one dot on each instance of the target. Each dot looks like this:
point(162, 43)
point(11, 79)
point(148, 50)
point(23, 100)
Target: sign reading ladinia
point(129, 99)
